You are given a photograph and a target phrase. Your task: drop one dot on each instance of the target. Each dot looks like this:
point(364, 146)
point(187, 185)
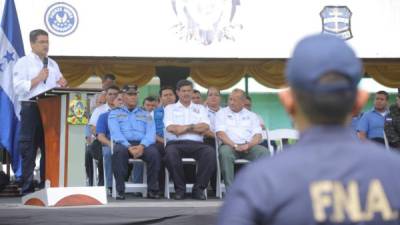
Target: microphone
point(45, 64)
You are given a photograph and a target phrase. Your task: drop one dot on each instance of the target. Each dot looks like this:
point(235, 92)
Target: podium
point(54, 108)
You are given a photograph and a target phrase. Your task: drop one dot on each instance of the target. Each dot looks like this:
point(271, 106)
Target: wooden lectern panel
point(50, 112)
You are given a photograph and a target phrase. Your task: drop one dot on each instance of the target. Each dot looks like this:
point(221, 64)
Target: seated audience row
point(173, 131)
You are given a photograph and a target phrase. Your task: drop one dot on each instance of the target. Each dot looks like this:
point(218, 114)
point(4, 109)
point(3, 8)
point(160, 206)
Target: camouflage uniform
point(392, 126)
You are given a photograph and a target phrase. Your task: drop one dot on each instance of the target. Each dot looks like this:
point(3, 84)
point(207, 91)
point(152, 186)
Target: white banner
point(209, 28)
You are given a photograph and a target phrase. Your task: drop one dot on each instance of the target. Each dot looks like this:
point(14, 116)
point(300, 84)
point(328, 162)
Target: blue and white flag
point(11, 48)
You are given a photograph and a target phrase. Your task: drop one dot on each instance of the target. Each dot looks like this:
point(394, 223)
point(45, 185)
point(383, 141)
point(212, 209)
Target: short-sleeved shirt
point(102, 125)
point(97, 112)
point(88, 132)
point(372, 123)
point(328, 177)
point(354, 121)
point(159, 121)
point(240, 127)
point(211, 115)
point(131, 125)
point(27, 68)
point(178, 114)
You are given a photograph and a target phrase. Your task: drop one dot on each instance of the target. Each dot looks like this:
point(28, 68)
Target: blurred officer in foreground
point(329, 176)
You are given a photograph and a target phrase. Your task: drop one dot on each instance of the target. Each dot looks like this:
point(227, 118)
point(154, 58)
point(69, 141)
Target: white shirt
point(178, 114)
point(261, 120)
point(240, 127)
point(27, 68)
point(211, 117)
point(97, 112)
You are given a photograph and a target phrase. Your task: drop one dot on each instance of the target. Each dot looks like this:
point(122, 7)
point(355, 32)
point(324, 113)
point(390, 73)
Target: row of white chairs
point(273, 135)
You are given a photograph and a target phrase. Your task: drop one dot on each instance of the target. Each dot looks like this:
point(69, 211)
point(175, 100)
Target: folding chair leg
point(166, 186)
point(144, 179)
point(114, 188)
point(95, 175)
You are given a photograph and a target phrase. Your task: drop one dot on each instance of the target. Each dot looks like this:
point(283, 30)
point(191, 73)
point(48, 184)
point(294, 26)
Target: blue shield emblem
point(61, 19)
point(336, 21)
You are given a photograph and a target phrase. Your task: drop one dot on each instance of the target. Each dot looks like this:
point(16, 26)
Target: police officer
point(371, 124)
point(329, 176)
point(392, 124)
point(32, 75)
point(185, 124)
point(133, 132)
point(240, 133)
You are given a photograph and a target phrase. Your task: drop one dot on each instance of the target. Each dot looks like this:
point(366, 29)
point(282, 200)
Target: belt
point(28, 102)
point(184, 142)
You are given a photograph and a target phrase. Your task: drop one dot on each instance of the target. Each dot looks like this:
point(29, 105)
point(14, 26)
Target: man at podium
point(33, 75)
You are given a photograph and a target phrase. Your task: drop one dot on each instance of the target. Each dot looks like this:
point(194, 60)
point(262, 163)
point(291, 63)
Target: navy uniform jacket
point(135, 125)
point(392, 126)
point(327, 177)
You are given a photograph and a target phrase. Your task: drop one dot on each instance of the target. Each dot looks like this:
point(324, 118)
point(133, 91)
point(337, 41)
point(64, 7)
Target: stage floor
point(130, 211)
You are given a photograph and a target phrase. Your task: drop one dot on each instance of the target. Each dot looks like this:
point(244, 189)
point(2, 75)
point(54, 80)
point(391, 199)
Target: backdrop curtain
point(222, 73)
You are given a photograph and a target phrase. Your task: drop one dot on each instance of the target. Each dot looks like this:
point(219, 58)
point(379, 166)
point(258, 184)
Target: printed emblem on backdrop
point(77, 111)
point(206, 21)
point(336, 21)
point(61, 19)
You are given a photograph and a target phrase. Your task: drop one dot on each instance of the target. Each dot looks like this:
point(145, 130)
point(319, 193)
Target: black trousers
point(89, 168)
point(213, 181)
point(161, 174)
point(30, 139)
point(120, 159)
point(204, 155)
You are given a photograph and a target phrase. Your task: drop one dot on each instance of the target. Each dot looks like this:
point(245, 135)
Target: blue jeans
point(107, 165)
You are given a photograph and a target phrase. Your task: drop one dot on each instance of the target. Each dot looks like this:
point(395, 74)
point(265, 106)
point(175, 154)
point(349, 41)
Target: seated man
point(240, 133)
point(185, 123)
point(213, 103)
point(103, 135)
point(196, 97)
point(149, 104)
point(110, 94)
point(133, 132)
point(167, 96)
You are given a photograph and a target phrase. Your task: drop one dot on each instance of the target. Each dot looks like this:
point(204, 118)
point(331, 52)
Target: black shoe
point(137, 194)
point(199, 195)
point(29, 190)
point(109, 191)
point(153, 195)
point(120, 196)
point(179, 196)
point(41, 185)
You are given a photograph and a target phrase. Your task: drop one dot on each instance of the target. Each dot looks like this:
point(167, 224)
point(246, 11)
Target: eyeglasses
point(131, 94)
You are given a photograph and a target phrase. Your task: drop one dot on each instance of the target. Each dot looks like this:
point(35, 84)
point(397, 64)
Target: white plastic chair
point(129, 186)
point(95, 174)
point(169, 186)
point(220, 186)
point(279, 134)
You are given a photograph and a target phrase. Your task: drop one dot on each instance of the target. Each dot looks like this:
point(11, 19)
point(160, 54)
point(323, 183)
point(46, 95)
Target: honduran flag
point(11, 48)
